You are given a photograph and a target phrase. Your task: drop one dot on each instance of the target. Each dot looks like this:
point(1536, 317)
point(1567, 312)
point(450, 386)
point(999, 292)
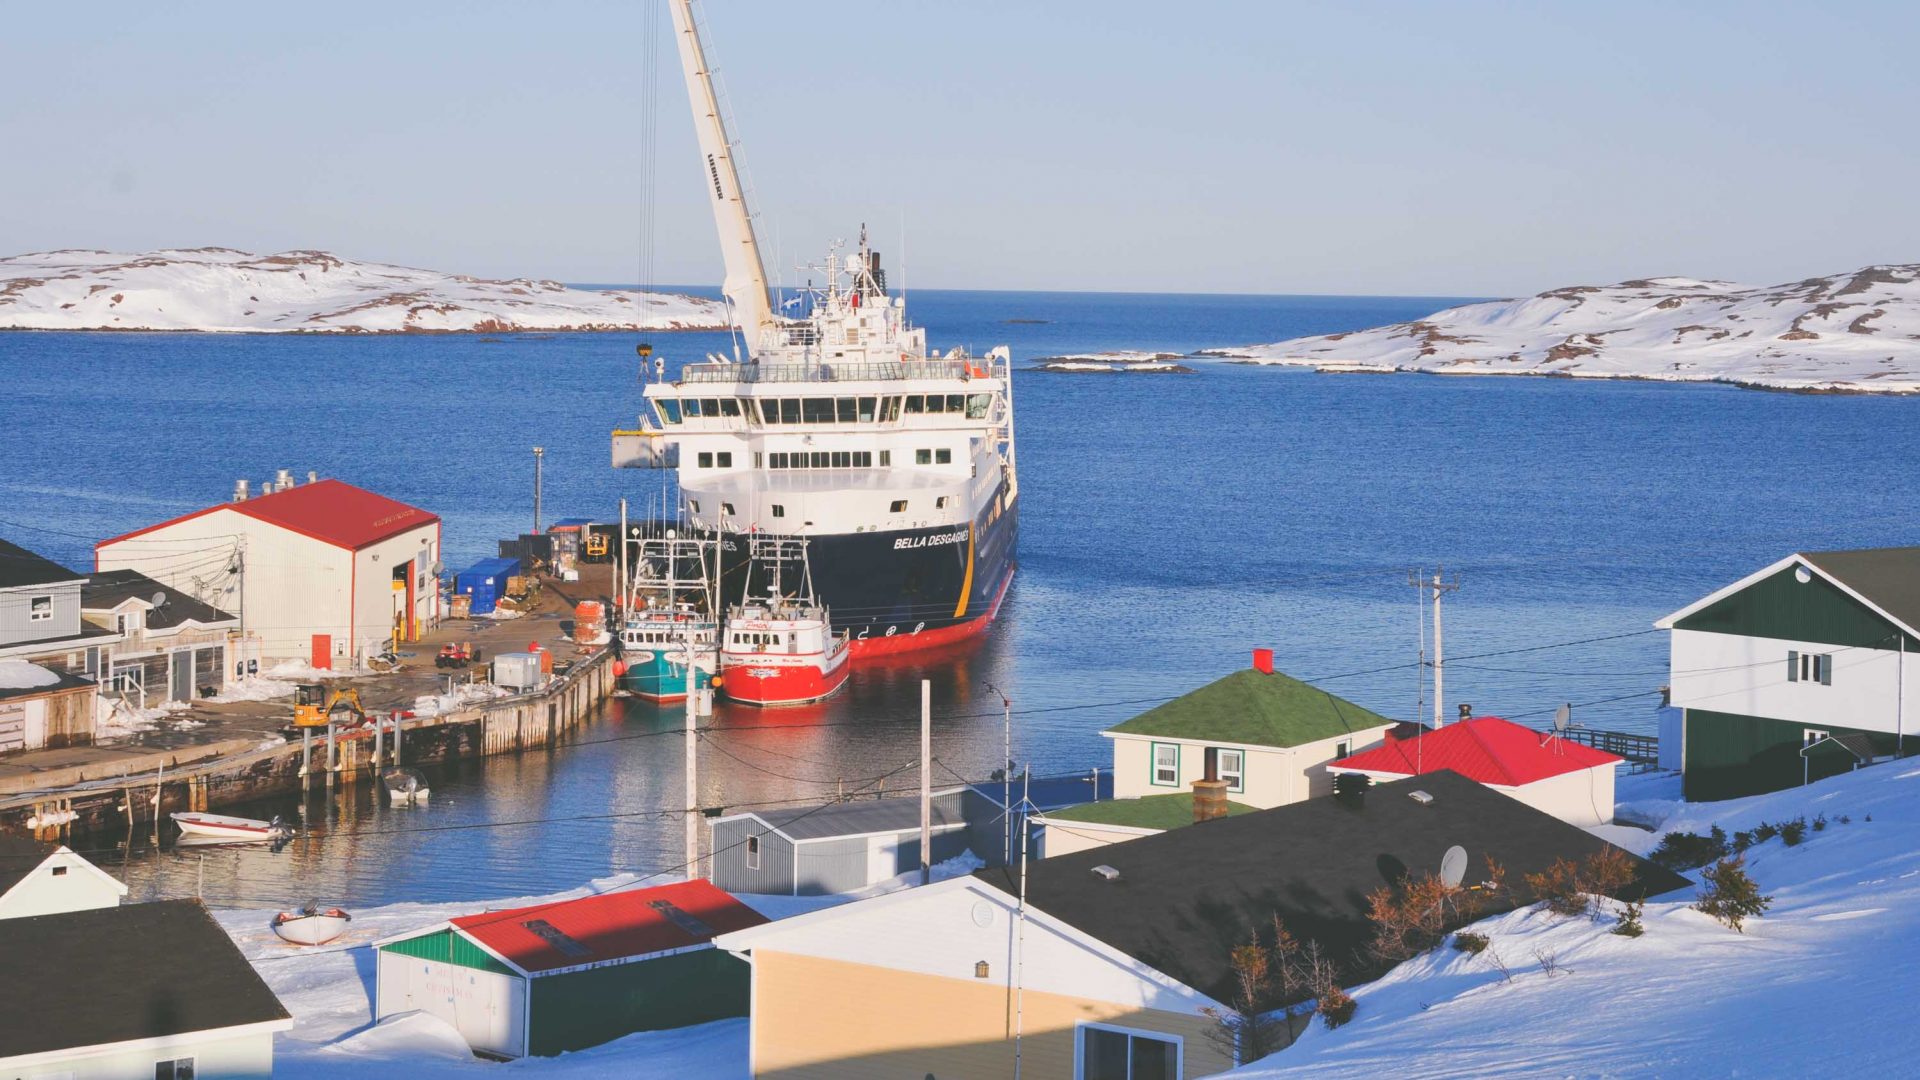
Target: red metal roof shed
point(1486, 749)
point(331, 511)
point(610, 926)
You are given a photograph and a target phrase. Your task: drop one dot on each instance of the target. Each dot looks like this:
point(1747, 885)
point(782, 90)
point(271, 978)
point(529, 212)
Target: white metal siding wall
point(1731, 673)
point(487, 1008)
point(374, 595)
point(1583, 797)
point(45, 893)
point(241, 1056)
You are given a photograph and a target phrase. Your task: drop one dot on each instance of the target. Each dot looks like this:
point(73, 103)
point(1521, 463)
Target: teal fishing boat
point(669, 638)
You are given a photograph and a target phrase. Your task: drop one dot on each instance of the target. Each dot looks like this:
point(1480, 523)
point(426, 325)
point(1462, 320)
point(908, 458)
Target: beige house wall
point(1275, 776)
point(878, 1023)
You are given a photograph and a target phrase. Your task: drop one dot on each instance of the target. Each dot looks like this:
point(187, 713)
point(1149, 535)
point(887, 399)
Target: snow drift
point(1856, 332)
point(220, 289)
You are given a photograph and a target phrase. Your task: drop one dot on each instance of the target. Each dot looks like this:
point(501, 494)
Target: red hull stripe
point(862, 648)
point(786, 686)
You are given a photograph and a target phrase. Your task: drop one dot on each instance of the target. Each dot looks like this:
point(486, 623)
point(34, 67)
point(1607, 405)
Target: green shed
point(564, 976)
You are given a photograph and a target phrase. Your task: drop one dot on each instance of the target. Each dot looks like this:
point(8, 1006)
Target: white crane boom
point(746, 280)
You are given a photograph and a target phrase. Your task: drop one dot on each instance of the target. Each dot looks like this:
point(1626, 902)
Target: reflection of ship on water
point(895, 465)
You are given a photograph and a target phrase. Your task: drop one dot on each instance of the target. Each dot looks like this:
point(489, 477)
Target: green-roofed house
point(1097, 824)
point(1270, 737)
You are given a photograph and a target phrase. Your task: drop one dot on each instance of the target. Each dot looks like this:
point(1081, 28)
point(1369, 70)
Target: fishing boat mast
point(746, 281)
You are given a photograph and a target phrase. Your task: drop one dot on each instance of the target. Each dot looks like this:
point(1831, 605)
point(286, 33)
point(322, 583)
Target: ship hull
point(910, 589)
point(771, 684)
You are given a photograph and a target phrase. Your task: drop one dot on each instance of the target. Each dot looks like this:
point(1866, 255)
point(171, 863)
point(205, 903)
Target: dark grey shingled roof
point(137, 971)
point(67, 682)
point(1184, 898)
point(20, 567)
point(109, 589)
point(20, 856)
point(858, 818)
point(1888, 577)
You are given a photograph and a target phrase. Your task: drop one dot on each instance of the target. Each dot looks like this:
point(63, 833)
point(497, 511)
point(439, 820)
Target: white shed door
point(883, 858)
point(489, 1010)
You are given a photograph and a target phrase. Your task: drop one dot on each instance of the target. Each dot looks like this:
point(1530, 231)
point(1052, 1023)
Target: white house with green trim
point(1805, 668)
point(1097, 824)
point(1272, 738)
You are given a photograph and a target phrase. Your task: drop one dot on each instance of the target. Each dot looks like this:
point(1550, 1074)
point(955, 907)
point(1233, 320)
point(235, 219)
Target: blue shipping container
point(486, 582)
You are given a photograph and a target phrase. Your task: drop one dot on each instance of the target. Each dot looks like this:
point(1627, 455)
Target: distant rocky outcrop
point(220, 289)
point(1847, 333)
point(1114, 363)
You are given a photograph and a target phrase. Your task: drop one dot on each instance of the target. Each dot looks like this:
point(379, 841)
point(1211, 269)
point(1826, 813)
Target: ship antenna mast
point(745, 285)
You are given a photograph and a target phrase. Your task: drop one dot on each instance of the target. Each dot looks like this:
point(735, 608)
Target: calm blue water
point(1170, 523)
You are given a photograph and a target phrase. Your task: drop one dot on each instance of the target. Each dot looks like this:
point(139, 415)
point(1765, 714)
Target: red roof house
point(331, 511)
point(1569, 780)
point(550, 978)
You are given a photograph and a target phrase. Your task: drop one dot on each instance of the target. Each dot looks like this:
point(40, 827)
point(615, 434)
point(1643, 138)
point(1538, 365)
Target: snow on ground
point(1853, 332)
point(462, 695)
point(1815, 982)
point(20, 675)
point(1119, 361)
point(254, 688)
point(220, 289)
point(120, 719)
point(299, 671)
point(329, 991)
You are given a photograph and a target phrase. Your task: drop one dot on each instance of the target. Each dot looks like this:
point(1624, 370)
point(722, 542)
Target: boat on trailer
point(782, 650)
point(223, 827)
point(311, 925)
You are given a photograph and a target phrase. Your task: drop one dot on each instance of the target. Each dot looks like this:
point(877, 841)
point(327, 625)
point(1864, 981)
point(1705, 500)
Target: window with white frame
point(173, 1069)
point(753, 853)
point(1105, 1052)
point(1809, 736)
point(1343, 748)
point(1809, 667)
point(1166, 764)
point(1233, 768)
point(41, 609)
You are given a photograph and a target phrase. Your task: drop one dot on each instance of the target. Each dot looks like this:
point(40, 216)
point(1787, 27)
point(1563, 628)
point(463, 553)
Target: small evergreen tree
point(1629, 924)
point(1731, 896)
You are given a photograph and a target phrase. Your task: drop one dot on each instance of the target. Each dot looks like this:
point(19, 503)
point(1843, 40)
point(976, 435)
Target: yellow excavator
point(315, 705)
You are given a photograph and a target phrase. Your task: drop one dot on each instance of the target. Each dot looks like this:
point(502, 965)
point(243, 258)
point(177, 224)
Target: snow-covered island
point(1857, 332)
point(1161, 363)
point(223, 290)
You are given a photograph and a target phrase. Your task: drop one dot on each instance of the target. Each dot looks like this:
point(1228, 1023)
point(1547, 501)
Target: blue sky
point(1392, 148)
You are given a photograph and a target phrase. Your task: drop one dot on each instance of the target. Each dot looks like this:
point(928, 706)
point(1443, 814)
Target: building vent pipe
point(313, 477)
point(240, 490)
point(283, 480)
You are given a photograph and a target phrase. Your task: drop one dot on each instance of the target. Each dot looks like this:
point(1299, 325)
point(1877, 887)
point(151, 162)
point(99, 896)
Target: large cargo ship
point(838, 427)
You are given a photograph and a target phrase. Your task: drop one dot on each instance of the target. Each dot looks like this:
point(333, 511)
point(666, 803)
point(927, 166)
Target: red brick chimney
point(1210, 792)
point(1263, 661)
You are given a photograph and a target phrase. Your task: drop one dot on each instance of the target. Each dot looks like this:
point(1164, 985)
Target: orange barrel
point(546, 661)
point(589, 619)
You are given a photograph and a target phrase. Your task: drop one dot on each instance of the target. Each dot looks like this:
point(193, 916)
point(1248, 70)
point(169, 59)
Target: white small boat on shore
point(221, 826)
point(311, 925)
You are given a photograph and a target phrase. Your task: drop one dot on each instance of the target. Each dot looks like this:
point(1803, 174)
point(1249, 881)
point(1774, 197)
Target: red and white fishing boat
point(782, 650)
point(220, 826)
point(311, 925)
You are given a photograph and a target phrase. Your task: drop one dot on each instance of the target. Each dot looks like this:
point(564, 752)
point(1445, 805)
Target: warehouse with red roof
point(1571, 781)
point(322, 573)
point(550, 978)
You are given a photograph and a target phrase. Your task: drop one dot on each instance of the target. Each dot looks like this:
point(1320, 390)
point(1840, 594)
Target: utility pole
point(926, 781)
point(1006, 768)
point(539, 455)
point(1438, 587)
point(620, 599)
point(693, 801)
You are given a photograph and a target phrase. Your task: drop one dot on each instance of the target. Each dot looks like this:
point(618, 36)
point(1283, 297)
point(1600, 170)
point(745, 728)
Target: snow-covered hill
point(1817, 981)
point(1857, 332)
point(220, 289)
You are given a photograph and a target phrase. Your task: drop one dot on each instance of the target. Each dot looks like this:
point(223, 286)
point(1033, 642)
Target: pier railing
point(827, 373)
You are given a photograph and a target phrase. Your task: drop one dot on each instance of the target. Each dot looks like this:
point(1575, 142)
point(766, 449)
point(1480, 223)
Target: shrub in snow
point(1792, 832)
point(1415, 915)
point(1336, 1007)
point(1820, 823)
point(1570, 888)
point(1685, 850)
point(1730, 895)
point(1765, 831)
point(1629, 924)
point(1273, 973)
point(1469, 942)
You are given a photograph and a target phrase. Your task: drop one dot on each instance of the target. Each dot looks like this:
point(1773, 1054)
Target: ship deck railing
point(783, 372)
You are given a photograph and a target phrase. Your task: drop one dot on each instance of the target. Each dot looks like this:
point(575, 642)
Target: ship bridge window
point(668, 408)
point(817, 410)
point(789, 410)
point(915, 404)
point(846, 410)
point(936, 403)
point(710, 407)
point(692, 405)
point(866, 409)
point(731, 407)
point(893, 408)
point(956, 403)
point(977, 405)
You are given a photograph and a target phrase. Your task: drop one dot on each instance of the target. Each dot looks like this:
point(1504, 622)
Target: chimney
point(313, 477)
point(1210, 792)
point(240, 490)
point(266, 486)
point(1263, 661)
point(283, 480)
point(1466, 711)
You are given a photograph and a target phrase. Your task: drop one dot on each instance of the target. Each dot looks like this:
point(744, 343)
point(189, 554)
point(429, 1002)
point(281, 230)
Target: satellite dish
point(1563, 717)
point(1453, 867)
point(159, 599)
point(438, 568)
